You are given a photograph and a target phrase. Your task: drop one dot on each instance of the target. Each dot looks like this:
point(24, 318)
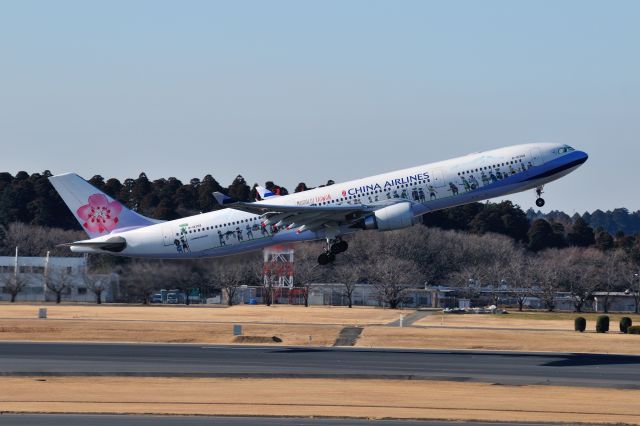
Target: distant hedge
point(580, 324)
point(634, 329)
point(602, 324)
point(625, 323)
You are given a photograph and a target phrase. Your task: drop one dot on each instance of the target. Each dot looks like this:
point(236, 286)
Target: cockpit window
point(565, 149)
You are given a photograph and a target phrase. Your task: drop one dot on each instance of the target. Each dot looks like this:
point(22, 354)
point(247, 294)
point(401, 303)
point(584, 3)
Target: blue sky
point(306, 91)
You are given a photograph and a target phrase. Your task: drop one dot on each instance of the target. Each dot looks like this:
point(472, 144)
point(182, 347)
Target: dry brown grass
point(320, 397)
point(493, 321)
point(519, 320)
point(161, 332)
point(513, 340)
point(207, 313)
point(294, 325)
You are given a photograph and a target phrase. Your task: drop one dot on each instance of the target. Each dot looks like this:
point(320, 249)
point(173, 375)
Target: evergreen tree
point(239, 189)
point(98, 182)
point(301, 187)
point(207, 187)
point(541, 236)
point(604, 241)
point(113, 187)
point(581, 234)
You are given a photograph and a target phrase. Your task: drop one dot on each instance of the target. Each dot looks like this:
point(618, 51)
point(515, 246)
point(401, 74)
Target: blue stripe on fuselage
point(506, 185)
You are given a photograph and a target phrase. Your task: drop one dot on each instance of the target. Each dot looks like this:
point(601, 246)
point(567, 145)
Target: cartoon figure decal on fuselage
point(224, 235)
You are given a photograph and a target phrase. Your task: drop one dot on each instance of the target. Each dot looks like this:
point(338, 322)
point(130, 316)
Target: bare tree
point(610, 275)
point(58, 281)
point(630, 274)
point(14, 284)
point(230, 276)
point(141, 278)
point(519, 278)
point(35, 240)
point(96, 284)
point(304, 276)
point(579, 269)
point(186, 277)
point(495, 275)
point(547, 278)
point(469, 279)
point(306, 271)
point(269, 276)
point(391, 277)
point(349, 275)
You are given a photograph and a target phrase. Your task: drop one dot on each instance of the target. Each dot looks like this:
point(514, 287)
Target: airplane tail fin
point(97, 213)
point(264, 193)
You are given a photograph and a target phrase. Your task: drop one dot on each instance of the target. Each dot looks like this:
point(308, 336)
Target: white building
point(33, 270)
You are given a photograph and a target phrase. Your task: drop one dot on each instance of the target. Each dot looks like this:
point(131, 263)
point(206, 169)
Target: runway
point(108, 420)
point(513, 368)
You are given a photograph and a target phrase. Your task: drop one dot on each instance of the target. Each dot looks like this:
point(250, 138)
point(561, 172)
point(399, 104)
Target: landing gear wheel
point(326, 258)
point(540, 202)
point(339, 247)
point(323, 259)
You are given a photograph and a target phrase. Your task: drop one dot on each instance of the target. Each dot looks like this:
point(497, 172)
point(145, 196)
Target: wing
point(312, 218)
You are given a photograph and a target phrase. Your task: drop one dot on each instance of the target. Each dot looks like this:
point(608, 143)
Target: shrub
point(625, 323)
point(634, 329)
point(580, 324)
point(602, 324)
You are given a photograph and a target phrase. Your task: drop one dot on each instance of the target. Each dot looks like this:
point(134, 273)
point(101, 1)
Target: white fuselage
point(435, 186)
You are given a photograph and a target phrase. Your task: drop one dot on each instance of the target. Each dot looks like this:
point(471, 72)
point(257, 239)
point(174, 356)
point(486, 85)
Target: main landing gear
point(334, 246)
point(540, 200)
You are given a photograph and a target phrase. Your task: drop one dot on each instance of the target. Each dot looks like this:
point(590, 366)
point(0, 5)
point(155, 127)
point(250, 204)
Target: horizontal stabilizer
point(114, 244)
point(223, 199)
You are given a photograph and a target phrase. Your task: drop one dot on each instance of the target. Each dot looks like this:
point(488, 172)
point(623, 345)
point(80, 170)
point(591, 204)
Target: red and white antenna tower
point(278, 266)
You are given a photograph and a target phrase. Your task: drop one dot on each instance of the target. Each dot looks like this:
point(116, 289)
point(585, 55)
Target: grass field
point(161, 332)
point(521, 320)
point(320, 397)
point(492, 339)
point(297, 325)
point(207, 313)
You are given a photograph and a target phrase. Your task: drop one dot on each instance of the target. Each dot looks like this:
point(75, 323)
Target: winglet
point(264, 193)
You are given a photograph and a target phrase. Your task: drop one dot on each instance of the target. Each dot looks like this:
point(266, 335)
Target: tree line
point(614, 221)
point(30, 199)
point(391, 262)
point(394, 262)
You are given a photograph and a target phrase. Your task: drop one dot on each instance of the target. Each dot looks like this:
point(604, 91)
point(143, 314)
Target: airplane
point(388, 201)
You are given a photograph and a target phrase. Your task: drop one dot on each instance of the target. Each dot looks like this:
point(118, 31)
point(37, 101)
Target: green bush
point(580, 324)
point(602, 324)
point(625, 323)
point(634, 329)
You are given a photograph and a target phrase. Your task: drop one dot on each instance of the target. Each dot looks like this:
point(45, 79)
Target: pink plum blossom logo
point(99, 215)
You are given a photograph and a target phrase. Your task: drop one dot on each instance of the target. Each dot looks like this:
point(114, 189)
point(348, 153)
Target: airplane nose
point(582, 156)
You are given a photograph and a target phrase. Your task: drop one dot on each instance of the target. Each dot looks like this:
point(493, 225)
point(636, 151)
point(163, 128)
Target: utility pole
point(46, 277)
point(15, 264)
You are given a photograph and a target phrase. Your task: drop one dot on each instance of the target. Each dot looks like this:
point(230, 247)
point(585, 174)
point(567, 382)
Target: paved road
point(108, 420)
point(17, 358)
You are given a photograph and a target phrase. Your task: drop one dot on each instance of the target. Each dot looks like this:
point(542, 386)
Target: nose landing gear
point(334, 246)
point(540, 200)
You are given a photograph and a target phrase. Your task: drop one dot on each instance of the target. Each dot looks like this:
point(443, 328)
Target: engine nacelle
point(396, 216)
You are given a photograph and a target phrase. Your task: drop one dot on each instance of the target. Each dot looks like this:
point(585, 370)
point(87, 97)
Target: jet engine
point(396, 216)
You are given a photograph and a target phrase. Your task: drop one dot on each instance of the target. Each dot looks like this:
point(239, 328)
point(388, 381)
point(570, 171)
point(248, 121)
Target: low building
point(71, 270)
point(617, 301)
